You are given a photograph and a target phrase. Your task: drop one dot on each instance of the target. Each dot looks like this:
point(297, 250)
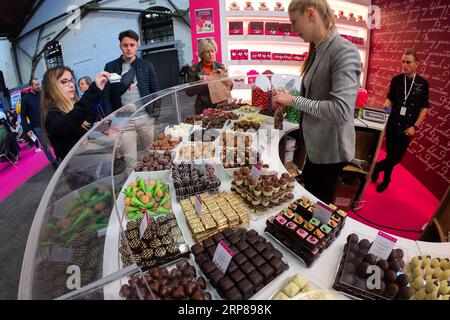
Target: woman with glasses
point(62, 114)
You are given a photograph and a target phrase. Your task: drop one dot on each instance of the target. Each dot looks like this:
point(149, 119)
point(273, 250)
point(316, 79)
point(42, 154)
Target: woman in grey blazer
point(328, 95)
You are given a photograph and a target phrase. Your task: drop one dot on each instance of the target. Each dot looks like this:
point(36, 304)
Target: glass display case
point(78, 244)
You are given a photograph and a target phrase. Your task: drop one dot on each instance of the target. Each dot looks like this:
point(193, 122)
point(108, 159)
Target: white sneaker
point(38, 150)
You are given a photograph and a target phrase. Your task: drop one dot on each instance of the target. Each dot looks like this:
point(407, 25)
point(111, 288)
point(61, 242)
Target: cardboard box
point(260, 55)
point(256, 28)
point(236, 28)
point(346, 191)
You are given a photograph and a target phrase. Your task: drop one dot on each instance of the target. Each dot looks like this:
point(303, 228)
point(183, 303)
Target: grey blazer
point(334, 81)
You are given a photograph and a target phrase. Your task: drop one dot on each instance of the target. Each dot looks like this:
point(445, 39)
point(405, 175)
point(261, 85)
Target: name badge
point(403, 111)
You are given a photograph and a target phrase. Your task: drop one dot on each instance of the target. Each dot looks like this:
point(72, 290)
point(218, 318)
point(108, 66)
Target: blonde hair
point(325, 12)
point(52, 96)
point(205, 45)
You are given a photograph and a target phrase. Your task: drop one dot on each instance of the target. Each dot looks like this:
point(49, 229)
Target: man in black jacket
point(30, 109)
point(138, 79)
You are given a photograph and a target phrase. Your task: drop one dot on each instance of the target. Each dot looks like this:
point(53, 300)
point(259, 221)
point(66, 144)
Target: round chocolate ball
point(361, 270)
point(370, 258)
point(402, 280)
point(352, 238)
point(394, 265)
point(390, 276)
point(350, 257)
point(347, 278)
point(383, 264)
point(360, 283)
point(364, 244)
point(400, 254)
point(354, 248)
point(392, 290)
point(380, 291)
point(349, 268)
point(404, 293)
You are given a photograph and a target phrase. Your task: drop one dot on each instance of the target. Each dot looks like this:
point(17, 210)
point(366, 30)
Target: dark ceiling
point(13, 14)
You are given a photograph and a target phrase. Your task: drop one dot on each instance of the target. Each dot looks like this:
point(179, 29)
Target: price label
point(323, 213)
point(383, 245)
point(144, 224)
point(198, 205)
point(222, 256)
point(256, 172)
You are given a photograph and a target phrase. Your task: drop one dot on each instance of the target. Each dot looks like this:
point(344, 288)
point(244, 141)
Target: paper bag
point(218, 90)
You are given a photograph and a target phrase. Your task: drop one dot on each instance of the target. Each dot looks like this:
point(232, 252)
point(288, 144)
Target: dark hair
point(87, 79)
point(412, 52)
point(130, 34)
point(31, 81)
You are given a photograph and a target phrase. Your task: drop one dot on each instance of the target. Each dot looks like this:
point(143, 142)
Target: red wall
point(423, 25)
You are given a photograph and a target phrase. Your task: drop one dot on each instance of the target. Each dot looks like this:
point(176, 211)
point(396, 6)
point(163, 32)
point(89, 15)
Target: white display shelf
point(281, 16)
point(264, 63)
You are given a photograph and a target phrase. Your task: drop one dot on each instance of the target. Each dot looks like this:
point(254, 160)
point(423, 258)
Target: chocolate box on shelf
point(255, 263)
point(260, 55)
point(285, 29)
point(256, 28)
point(272, 28)
point(353, 272)
point(236, 28)
point(304, 235)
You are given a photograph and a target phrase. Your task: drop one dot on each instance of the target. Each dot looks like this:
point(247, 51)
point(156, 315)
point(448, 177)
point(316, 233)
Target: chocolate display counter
point(143, 203)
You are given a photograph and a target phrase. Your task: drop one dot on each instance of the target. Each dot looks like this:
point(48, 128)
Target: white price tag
point(323, 213)
point(198, 205)
point(256, 172)
point(383, 245)
point(403, 111)
point(222, 256)
point(144, 224)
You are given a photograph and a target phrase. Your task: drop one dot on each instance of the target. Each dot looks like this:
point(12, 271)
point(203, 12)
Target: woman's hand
point(86, 125)
point(282, 99)
point(101, 79)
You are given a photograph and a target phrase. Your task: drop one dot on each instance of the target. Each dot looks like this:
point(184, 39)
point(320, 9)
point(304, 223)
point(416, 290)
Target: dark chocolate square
point(208, 267)
point(247, 267)
point(234, 249)
point(250, 253)
point(258, 260)
point(231, 266)
point(242, 245)
point(225, 284)
point(252, 240)
point(202, 258)
point(208, 243)
point(260, 246)
point(233, 239)
point(278, 265)
point(256, 278)
point(215, 276)
point(246, 288)
point(237, 276)
point(227, 232)
point(251, 233)
point(211, 251)
point(233, 294)
point(268, 254)
point(267, 271)
point(240, 259)
point(218, 237)
point(197, 248)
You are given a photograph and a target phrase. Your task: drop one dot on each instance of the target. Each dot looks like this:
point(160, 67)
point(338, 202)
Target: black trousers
point(397, 143)
point(321, 179)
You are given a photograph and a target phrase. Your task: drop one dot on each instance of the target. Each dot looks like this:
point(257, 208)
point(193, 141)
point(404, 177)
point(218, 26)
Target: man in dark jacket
point(30, 109)
point(137, 80)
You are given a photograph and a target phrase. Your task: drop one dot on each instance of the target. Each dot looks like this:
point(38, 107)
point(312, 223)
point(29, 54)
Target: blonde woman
point(62, 115)
point(328, 95)
point(205, 70)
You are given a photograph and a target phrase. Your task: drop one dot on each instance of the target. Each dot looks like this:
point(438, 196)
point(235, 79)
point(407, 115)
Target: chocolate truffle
point(404, 293)
point(381, 289)
point(352, 238)
point(392, 290)
point(394, 265)
point(370, 258)
point(361, 270)
point(402, 280)
point(383, 264)
point(390, 276)
point(364, 244)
